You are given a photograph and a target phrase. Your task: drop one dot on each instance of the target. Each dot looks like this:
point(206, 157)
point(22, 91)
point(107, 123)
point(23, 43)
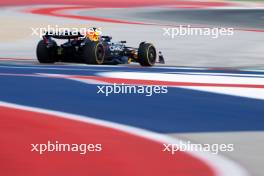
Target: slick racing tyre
point(46, 53)
point(93, 53)
point(147, 54)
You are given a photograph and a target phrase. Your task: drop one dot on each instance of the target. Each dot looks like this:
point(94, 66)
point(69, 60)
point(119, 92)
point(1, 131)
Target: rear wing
point(64, 35)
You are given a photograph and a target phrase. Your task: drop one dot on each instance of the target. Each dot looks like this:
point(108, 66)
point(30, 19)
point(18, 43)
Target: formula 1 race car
point(94, 49)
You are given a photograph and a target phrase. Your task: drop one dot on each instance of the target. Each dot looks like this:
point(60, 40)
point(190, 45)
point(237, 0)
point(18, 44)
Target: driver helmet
point(93, 34)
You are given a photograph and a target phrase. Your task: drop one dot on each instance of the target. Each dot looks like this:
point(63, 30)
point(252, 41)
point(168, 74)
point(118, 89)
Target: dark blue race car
point(94, 50)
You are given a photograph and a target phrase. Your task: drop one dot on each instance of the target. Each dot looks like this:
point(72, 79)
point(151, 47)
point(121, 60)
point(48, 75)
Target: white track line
point(217, 79)
point(218, 74)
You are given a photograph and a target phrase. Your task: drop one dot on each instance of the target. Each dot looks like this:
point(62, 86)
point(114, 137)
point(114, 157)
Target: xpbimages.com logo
point(131, 89)
point(173, 32)
point(59, 147)
point(188, 146)
point(52, 30)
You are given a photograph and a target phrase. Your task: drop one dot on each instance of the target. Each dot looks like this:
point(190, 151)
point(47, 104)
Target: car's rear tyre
point(46, 53)
point(93, 53)
point(147, 54)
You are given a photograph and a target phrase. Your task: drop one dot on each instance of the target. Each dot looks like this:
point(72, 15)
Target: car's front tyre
point(147, 54)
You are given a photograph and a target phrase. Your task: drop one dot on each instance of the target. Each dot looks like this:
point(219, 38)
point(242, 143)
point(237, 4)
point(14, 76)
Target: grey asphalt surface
point(217, 17)
point(242, 18)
